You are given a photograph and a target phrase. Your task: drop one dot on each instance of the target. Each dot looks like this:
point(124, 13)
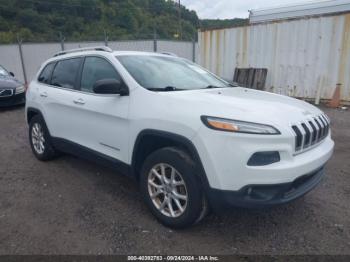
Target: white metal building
point(306, 48)
point(311, 8)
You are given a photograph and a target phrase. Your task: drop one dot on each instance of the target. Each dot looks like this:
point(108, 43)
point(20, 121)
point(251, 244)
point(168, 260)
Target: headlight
point(20, 89)
point(230, 125)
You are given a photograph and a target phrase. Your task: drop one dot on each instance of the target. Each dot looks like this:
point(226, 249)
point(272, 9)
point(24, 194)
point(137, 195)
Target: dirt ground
point(71, 206)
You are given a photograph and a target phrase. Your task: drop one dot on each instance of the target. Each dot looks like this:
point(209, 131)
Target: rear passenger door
point(58, 98)
point(43, 89)
point(101, 120)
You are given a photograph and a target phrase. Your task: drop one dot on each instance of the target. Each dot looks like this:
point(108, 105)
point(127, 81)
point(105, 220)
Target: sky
point(223, 9)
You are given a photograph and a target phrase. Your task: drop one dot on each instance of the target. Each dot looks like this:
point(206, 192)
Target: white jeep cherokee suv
point(190, 139)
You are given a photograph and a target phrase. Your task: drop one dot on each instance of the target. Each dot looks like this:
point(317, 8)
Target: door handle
point(43, 94)
point(79, 101)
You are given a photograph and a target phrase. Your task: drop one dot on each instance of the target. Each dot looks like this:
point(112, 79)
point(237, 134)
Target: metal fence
point(25, 65)
point(305, 57)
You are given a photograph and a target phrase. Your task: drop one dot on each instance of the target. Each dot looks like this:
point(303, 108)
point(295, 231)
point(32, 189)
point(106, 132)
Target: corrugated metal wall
point(304, 57)
point(35, 54)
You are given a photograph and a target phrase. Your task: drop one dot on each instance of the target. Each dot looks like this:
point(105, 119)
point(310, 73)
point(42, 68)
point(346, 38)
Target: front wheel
point(171, 189)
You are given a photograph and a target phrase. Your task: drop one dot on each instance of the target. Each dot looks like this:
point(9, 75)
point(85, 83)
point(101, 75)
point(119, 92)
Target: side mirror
point(110, 86)
point(12, 74)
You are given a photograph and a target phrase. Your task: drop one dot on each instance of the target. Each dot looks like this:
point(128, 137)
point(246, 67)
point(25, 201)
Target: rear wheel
point(171, 189)
point(40, 140)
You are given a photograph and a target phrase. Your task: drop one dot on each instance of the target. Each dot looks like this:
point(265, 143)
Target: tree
point(42, 20)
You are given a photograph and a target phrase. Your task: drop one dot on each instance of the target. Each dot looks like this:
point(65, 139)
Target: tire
point(183, 213)
point(40, 140)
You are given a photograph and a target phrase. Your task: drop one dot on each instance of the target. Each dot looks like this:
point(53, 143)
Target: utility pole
point(180, 25)
point(194, 47)
point(62, 39)
point(155, 44)
point(19, 41)
point(106, 37)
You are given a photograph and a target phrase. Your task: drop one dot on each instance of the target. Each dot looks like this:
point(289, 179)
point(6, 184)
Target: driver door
point(101, 120)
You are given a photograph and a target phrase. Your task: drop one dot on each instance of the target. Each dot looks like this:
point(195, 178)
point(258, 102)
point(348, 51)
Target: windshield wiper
point(170, 88)
point(165, 89)
point(212, 87)
point(233, 84)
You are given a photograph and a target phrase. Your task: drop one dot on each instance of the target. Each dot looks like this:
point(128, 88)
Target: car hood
point(245, 104)
point(9, 82)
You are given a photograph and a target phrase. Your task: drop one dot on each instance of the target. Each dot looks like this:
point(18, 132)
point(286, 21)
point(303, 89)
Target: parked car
point(190, 139)
point(12, 91)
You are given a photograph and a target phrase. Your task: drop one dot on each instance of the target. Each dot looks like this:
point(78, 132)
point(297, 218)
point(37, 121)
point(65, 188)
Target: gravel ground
point(71, 206)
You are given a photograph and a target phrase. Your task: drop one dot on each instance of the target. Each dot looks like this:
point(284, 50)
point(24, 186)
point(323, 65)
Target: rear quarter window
point(45, 75)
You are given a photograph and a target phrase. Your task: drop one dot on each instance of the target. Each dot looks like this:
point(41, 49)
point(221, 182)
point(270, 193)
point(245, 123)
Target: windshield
point(160, 73)
point(3, 72)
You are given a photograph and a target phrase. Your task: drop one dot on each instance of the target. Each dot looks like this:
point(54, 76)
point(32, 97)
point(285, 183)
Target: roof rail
point(169, 54)
point(94, 48)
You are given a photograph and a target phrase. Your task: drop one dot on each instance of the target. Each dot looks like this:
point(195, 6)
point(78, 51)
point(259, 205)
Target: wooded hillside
point(83, 20)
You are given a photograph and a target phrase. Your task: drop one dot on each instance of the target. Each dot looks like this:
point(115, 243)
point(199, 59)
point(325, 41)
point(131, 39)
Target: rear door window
point(45, 75)
point(66, 72)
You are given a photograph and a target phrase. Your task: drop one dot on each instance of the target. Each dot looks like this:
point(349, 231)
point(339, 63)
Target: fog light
point(264, 158)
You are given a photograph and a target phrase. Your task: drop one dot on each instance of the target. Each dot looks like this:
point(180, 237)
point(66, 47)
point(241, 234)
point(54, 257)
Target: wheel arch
point(150, 140)
point(31, 112)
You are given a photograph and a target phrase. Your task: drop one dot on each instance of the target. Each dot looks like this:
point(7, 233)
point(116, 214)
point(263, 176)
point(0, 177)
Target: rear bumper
point(259, 196)
point(13, 100)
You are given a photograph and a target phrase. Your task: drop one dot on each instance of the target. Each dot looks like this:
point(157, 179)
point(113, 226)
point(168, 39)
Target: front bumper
point(225, 159)
point(18, 99)
point(259, 196)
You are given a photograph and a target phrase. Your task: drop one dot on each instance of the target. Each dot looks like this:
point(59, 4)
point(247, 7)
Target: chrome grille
point(310, 132)
point(6, 92)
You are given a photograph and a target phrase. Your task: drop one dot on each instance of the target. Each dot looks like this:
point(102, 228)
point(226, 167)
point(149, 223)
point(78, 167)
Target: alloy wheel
point(38, 139)
point(167, 190)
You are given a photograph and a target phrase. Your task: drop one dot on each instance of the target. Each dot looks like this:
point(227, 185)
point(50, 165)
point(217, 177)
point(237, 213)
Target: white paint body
point(116, 121)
